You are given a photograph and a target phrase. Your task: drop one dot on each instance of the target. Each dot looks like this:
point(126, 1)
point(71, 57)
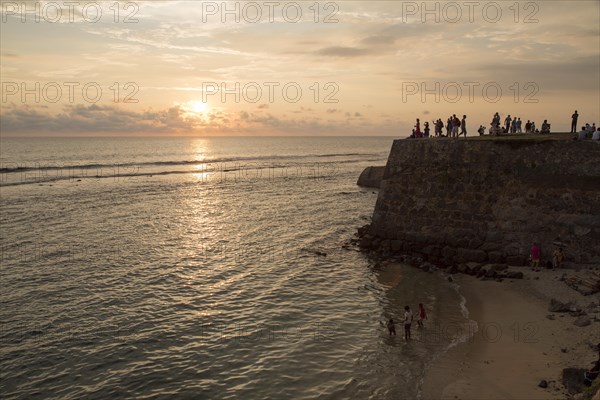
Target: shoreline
point(516, 345)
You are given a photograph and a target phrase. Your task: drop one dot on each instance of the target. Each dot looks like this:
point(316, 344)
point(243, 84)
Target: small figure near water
point(408, 317)
point(422, 315)
point(557, 258)
point(391, 325)
point(535, 257)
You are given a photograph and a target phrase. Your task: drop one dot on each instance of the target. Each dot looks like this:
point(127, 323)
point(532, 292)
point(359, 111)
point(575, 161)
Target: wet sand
point(516, 345)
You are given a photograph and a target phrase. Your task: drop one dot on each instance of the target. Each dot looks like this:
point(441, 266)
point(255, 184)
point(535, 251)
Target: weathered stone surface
point(491, 190)
point(582, 321)
point(572, 379)
point(465, 255)
point(558, 306)
point(495, 256)
point(371, 177)
point(396, 246)
point(514, 275)
point(516, 261)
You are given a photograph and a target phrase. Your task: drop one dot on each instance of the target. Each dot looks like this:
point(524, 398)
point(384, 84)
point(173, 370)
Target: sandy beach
point(518, 343)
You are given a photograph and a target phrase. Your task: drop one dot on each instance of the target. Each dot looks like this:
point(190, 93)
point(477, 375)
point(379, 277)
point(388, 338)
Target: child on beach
point(535, 257)
point(422, 315)
point(558, 258)
point(391, 327)
point(408, 317)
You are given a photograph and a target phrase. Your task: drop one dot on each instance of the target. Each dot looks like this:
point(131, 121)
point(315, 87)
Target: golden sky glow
point(293, 68)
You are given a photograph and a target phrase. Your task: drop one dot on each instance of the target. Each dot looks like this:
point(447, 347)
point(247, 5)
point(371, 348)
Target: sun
point(198, 106)
point(195, 107)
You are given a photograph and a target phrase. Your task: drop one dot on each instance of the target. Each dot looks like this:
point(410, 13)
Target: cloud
point(94, 119)
point(343, 52)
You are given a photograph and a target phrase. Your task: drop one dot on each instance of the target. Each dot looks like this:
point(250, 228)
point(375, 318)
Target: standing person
point(519, 130)
point(557, 258)
point(463, 126)
point(422, 315)
point(448, 126)
point(426, 130)
point(535, 257)
point(574, 118)
point(391, 325)
point(408, 317)
point(507, 122)
point(418, 128)
point(513, 128)
point(455, 125)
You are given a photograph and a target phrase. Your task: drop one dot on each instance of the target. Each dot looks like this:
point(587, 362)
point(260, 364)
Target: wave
point(14, 167)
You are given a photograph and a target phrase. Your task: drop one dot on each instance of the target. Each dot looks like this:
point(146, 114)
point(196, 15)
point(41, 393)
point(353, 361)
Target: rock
point(427, 267)
point(582, 321)
point(464, 269)
point(498, 267)
point(514, 275)
point(481, 273)
point(572, 379)
point(495, 256)
point(396, 246)
point(557, 306)
point(550, 317)
point(466, 255)
point(563, 277)
point(448, 252)
point(450, 279)
point(475, 269)
point(517, 261)
point(490, 274)
point(543, 384)
point(371, 177)
point(366, 241)
point(564, 350)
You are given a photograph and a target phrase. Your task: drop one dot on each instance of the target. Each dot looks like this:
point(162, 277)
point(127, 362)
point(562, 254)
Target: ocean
point(205, 268)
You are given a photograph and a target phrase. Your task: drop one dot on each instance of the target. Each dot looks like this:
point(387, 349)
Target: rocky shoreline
point(561, 299)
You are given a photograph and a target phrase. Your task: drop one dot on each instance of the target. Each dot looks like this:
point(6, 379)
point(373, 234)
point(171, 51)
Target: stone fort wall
point(456, 201)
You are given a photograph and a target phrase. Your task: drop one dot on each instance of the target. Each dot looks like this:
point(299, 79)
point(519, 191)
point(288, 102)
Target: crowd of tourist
point(456, 127)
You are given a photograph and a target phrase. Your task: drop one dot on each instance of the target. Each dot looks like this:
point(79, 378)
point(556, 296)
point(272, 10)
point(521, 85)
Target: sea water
point(204, 268)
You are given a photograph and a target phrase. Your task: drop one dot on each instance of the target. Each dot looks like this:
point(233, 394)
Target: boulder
point(495, 256)
point(572, 379)
point(490, 273)
point(517, 261)
point(558, 306)
point(514, 275)
point(466, 255)
point(543, 384)
point(582, 321)
point(371, 177)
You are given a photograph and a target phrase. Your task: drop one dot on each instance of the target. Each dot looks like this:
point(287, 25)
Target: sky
point(92, 68)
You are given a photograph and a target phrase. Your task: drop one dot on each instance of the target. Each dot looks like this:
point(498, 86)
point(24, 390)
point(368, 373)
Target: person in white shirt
point(408, 317)
point(596, 135)
point(582, 133)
